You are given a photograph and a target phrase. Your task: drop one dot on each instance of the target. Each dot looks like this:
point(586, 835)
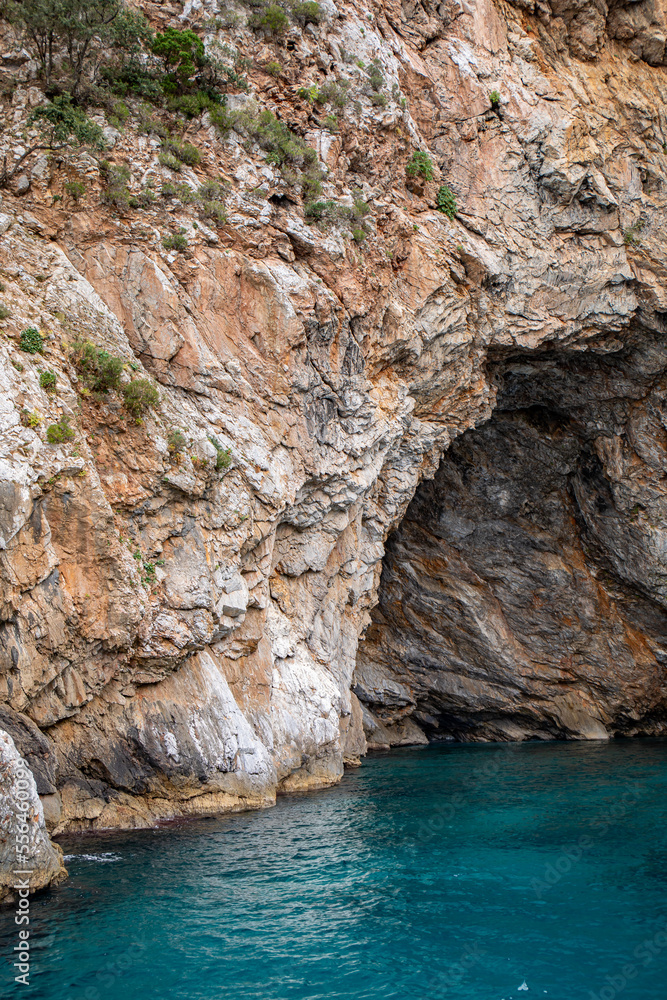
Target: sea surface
point(448, 872)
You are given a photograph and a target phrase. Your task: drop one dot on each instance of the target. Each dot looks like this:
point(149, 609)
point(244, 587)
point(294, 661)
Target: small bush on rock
point(420, 163)
point(446, 202)
point(31, 341)
point(223, 455)
point(98, 370)
point(48, 380)
point(60, 433)
point(272, 20)
point(178, 241)
point(139, 396)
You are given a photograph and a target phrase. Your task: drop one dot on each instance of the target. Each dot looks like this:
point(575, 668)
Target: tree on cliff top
point(79, 28)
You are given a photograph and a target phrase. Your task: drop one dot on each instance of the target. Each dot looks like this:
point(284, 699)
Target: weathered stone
point(183, 595)
point(24, 842)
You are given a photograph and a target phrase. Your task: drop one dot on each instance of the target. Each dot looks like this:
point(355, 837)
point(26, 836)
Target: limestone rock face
point(27, 856)
point(183, 594)
point(523, 595)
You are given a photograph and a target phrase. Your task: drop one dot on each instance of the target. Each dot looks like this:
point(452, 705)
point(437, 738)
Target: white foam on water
point(109, 856)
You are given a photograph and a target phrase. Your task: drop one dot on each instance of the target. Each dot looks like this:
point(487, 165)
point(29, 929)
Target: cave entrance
point(524, 594)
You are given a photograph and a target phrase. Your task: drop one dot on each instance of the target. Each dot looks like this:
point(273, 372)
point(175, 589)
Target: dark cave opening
point(524, 594)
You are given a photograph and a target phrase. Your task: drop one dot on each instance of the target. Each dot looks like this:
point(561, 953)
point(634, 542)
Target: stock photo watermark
point(573, 853)
point(103, 979)
point(446, 811)
point(645, 954)
point(21, 885)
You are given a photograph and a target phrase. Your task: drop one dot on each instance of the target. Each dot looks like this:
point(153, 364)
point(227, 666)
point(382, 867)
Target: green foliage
point(75, 189)
point(169, 160)
point(48, 380)
point(116, 178)
point(318, 210)
point(223, 456)
point(5, 311)
point(214, 210)
point(307, 12)
point(182, 53)
point(133, 78)
point(631, 235)
point(376, 78)
point(331, 123)
point(177, 442)
point(98, 370)
point(272, 20)
point(283, 147)
point(60, 433)
point(310, 94)
point(31, 340)
point(184, 152)
point(195, 104)
point(30, 418)
point(177, 241)
point(334, 92)
point(273, 68)
point(494, 98)
point(188, 154)
point(62, 123)
point(446, 202)
point(82, 30)
point(420, 164)
point(139, 396)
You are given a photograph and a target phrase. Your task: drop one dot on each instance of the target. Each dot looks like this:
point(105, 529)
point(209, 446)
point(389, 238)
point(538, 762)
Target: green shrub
point(188, 154)
point(60, 432)
point(177, 241)
point(214, 210)
point(183, 152)
point(331, 123)
point(318, 210)
point(375, 76)
point(494, 98)
point(334, 92)
point(75, 189)
point(307, 12)
point(31, 341)
point(272, 20)
point(48, 380)
point(194, 105)
point(133, 78)
point(139, 395)
point(99, 371)
point(116, 179)
point(420, 163)
point(359, 234)
point(182, 53)
point(64, 123)
point(446, 202)
point(281, 144)
point(309, 93)
point(169, 160)
point(5, 311)
point(273, 68)
point(177, 442)
point(223, 456)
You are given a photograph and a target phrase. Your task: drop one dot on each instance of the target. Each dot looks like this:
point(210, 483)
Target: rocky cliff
point(185, 581)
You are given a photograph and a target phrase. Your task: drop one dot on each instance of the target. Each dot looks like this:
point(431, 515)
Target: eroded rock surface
point(183, 633)
point(524, 593)
point(28, 859)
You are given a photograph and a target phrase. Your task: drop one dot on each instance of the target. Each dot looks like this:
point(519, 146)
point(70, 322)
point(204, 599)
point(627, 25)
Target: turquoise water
point(450, 871)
